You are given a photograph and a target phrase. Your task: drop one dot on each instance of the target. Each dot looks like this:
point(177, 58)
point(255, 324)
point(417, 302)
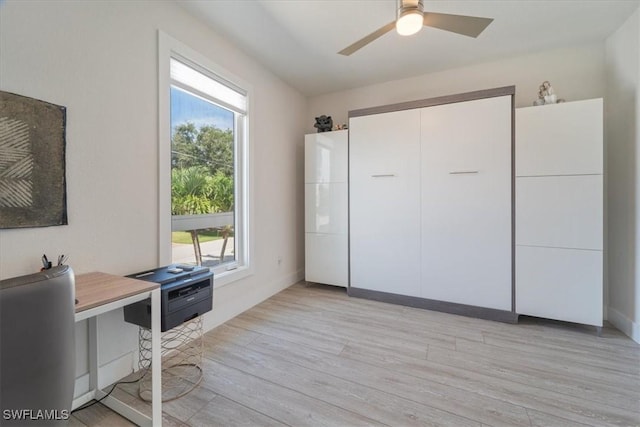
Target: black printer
point(186, 292)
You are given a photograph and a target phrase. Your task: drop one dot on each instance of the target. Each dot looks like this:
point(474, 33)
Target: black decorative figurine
point(323, 123)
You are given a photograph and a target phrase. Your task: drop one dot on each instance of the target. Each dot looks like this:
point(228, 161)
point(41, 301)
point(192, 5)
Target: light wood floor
point(313, 356)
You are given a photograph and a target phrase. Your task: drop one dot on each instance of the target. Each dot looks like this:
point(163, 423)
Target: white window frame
point(169, 47)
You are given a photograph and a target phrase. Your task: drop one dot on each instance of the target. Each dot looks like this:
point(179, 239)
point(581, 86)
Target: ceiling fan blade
point(470, 26)
point(367, 39)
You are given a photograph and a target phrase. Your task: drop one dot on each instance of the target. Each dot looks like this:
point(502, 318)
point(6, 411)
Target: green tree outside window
point(202, 176)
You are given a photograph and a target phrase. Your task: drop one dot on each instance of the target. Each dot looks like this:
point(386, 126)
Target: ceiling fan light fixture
point(410, 18)
point(409, 22)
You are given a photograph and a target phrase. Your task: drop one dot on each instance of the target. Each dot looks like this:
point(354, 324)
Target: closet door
point(384, 193)
point(466, 202)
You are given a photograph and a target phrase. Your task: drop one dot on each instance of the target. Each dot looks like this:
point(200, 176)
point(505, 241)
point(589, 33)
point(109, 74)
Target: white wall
point(576, 73)
point(99, 59)
point(622, 132)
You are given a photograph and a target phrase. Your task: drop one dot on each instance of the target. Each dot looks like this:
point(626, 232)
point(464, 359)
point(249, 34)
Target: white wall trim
point(624, 324)
point(210, 321)
point(81, 387)
point(109, 373)
point(288, 280)
point(164, 150)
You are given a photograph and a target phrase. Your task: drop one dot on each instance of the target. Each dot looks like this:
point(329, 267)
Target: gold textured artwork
point(32, 162)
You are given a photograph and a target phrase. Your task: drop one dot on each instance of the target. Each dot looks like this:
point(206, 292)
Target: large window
point(207, 144)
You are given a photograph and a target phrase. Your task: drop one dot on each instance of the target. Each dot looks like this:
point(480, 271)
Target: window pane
point(202, 180)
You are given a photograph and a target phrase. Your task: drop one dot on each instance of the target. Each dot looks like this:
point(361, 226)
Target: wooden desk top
point(95, 289)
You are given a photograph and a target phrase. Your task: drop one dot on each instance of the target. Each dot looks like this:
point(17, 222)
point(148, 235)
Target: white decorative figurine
point(546, 95)
point(549, 95)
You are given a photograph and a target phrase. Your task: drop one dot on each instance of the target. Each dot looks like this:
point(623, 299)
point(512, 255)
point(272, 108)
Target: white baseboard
point(214, 319)
point(82, 386)
point(624, 324)
point(288, 280)
point(108, 373)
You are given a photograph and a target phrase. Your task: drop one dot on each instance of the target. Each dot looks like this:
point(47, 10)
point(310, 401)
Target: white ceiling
point(299, 39)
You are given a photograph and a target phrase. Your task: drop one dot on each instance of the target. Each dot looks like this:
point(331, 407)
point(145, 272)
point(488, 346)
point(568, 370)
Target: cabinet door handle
point(384, 175)
point(462, 172)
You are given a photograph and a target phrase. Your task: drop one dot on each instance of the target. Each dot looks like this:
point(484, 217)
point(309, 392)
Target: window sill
point(227, 277)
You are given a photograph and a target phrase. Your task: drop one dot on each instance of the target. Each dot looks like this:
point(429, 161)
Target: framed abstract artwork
point(32, 162)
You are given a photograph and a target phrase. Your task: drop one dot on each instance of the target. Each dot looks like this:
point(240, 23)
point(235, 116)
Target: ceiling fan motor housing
point(409, 6)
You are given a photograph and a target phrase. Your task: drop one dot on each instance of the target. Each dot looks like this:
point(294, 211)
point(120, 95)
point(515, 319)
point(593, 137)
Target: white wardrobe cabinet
point(558, 283)
point(326, 208)
point(325, 157)
point(560, 139)
point(431, 204)
point(559, 211)
point(384, 153)
point(466, 202)
point(326, 259)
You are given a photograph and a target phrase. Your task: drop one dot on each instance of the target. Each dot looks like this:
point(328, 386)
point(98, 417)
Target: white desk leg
point(156, 360)
point(92, 324)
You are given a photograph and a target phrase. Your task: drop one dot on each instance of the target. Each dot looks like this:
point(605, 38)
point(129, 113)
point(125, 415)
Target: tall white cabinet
point(559, 211)
point(385, 202)
point(431, 204)
point(326, 208)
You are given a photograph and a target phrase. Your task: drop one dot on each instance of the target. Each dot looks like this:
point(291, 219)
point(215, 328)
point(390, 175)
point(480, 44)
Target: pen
point(45, 262)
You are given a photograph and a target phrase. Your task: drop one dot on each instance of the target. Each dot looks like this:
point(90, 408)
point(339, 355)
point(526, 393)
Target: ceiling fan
point(411, 17)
